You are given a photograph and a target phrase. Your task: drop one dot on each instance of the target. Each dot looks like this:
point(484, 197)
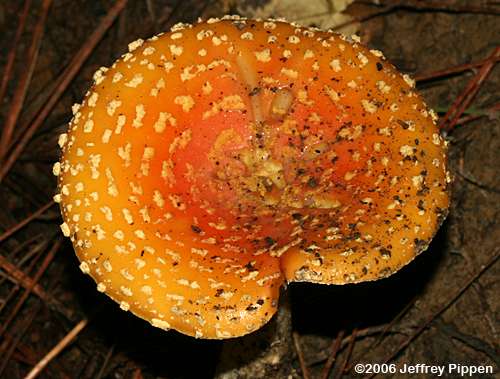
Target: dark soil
point(116, 344)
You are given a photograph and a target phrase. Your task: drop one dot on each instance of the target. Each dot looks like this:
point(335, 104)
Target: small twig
point(34, 255)
point(28, 353)
point(4, 347)
point(25, 222)
point(48, 258)
point(12, 53)
point(35, 250)
point(362, 333)
point(19, 277)
point(24, 81)
point(449, 121)
point(475, 183)
point(471, 341)
point(452, 70)
point(352, 341)
point(35, 371)
point(31, 357)
point(443, 308)
point(386, 328)
point(432, 5)
point(39, 252)
point(387, 7)
point(105, 363)
point(32, 239)
point(300, 355)
point(15, 342)
point(489, 112)
point(66, 78)
point(26, 257)
point(16, 184)
point(20, 357)
point(333, 355)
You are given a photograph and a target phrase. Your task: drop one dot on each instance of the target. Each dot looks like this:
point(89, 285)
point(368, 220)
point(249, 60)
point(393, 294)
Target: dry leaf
point(325, 14)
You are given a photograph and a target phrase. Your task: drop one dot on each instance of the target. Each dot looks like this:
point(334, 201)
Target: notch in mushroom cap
point(213, 163)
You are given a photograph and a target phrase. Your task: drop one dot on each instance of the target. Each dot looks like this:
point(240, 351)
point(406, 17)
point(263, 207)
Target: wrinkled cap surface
point(211, 164)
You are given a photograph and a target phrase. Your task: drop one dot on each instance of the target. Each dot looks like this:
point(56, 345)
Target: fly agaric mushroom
point(213, 163)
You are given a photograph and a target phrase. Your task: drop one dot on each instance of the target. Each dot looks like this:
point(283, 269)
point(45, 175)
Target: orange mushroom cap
point(213, 163)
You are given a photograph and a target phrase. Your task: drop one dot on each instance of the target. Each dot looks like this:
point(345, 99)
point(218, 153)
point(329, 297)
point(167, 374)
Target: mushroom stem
point(273, 360)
